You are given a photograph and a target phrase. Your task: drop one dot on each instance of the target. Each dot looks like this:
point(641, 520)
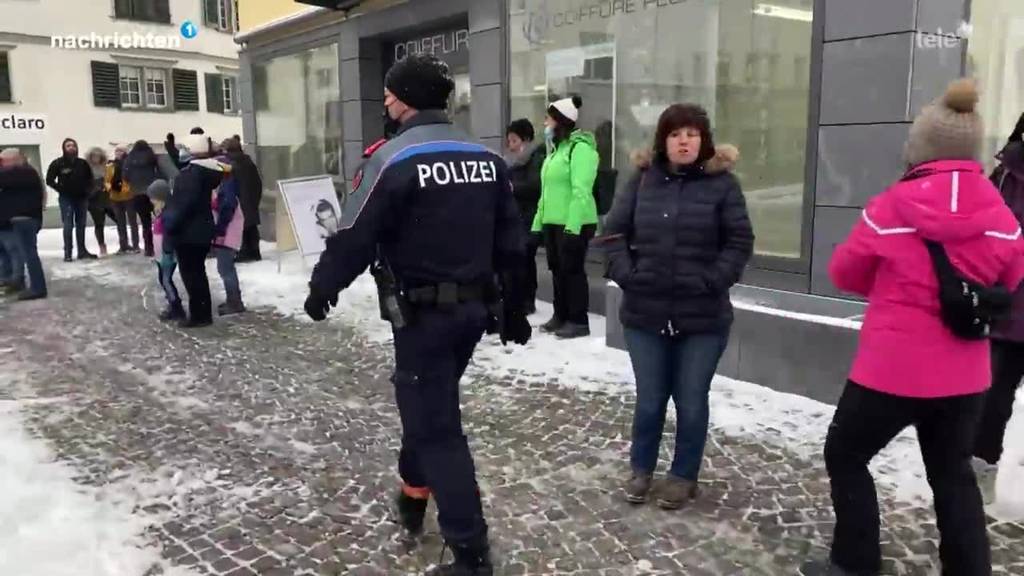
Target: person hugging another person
point(189, 227)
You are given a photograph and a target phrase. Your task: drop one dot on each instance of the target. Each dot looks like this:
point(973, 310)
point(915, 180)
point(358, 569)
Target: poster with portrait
point(314, 211)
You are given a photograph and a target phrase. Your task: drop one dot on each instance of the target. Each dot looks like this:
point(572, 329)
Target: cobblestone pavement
point(269, 445)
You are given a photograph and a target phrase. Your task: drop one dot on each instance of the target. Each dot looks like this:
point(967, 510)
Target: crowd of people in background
point(195, 199)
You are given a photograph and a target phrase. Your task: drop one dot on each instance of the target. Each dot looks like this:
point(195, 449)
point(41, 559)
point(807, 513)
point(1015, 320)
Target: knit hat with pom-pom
point(949, 128)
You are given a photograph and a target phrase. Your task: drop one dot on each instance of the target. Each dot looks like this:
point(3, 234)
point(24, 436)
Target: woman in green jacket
point(567, 215)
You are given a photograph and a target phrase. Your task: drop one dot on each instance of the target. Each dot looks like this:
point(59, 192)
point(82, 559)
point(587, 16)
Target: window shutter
point(186, 89)
point(162, 10)
point(212, 16)
point(5, 77)
point(214, 93)
point(106, 88)
point(123, 9)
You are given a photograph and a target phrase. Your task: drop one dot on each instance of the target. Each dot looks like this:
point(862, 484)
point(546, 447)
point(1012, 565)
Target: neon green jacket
point(567, 192)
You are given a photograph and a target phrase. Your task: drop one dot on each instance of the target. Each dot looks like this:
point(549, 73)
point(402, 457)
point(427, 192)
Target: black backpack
point(968, 308)
point(604, 186)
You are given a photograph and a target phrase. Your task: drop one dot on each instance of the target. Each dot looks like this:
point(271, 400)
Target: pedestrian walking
point(567, 215)
point(99, 198)
point(1007, 335)
point(525, 160)
point(22, 197)
point(437, 213)
point(250, 194)
point(71, 177)
point(922, 358)
point(188, 226)
point(227, 241)
point(675, 273)
point(121, 197)
point(140, 170)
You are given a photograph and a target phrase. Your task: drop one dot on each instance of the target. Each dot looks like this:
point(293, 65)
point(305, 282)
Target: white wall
point(57, 83)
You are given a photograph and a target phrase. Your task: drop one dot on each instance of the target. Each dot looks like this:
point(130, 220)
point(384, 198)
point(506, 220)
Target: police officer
point(435, 212)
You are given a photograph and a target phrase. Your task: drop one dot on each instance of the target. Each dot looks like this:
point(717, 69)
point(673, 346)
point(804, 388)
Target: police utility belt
point(398, 305)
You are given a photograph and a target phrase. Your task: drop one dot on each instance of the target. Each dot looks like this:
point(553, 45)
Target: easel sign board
point(313, 211)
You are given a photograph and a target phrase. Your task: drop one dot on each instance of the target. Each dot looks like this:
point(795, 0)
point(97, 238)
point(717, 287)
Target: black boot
point(173, 312)
point(411, 512)
point(553, 325)
point(233, 305)
point(469, 561)
point(188, 323)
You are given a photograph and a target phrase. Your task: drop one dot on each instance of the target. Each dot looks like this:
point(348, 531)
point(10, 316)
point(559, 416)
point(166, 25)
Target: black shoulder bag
point(968, 307)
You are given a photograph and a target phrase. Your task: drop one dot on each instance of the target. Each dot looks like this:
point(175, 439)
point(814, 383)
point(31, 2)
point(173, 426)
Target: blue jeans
point(27, 231)
point(228, 272)
point(72, 215)
point(165, 275)
point(15, 257)
point(680, 368)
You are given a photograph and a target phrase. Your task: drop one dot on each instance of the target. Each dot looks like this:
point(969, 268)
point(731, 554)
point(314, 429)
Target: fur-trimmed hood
point(725, 159)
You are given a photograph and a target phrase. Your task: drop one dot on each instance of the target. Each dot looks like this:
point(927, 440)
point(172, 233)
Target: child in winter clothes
point(910, 368)
point(230, 222)
point(158, 192)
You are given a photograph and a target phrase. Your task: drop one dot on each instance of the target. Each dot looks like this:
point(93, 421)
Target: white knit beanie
point(197, 145)
point(569, 107)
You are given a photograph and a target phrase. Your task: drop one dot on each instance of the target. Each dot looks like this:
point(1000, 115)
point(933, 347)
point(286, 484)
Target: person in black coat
point(525, 159)
point(71, 177)
point(678, 237)
point(22, 197)
point(189, 226)
point(250, 185)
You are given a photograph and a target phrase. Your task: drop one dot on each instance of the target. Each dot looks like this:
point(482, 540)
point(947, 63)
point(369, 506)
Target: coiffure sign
point(450, 45)
point(539, 22)
point(22, 128)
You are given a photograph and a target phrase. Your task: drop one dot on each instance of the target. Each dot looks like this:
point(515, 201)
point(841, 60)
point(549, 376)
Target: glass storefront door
point(996, 58)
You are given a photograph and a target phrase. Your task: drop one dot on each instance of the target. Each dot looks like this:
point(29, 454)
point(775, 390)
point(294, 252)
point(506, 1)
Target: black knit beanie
point(421, 81)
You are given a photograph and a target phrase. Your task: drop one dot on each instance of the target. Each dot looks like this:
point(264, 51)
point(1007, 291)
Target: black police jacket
point(439, 207)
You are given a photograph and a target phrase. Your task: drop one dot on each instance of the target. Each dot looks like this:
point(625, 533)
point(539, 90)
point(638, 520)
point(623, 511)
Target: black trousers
point(144, 208)
point(567, 254)
point(250, 249)
point(1007, 371)
point(865, 422)
point(99, 215)
point(533, 242)
point(192, 267)
point(431, 355)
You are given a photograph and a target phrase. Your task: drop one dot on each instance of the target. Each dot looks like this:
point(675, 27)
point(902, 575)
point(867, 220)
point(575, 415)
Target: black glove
point(516, 328)
point(317, 305)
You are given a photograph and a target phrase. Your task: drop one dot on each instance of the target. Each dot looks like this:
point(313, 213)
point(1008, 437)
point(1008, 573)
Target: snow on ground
point(53, 526)
point(795, 422)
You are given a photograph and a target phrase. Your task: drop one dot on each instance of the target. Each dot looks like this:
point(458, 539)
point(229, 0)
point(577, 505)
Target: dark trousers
point(533, 242)
point(99, 214)
point(680, 368)
point(72, 215)
point(431, 354)
point(165, 276)
point(1007, 371)
point(250, 249)
point(144, 208)
point(192, 266)
point(567, 254)
point(865, 422)
point(125, 216)
point(26, 230)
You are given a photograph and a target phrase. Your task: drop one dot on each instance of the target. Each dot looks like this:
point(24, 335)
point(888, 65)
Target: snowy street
point(267, 445)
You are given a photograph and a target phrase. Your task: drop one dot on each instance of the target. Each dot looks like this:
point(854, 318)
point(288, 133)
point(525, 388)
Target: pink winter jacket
point(905, 349)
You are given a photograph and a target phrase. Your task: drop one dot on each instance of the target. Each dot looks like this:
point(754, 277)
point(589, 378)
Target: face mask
point(549, 134)
point(391, 126)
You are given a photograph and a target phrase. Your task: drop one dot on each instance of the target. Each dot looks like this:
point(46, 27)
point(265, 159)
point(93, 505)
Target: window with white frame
point(156, 88)
point(229, 94)
point(131, 86)
point(220, 14)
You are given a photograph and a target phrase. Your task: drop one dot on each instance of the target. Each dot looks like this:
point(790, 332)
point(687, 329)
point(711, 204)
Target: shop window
point(629, 65)
point(144, 10)
point(995, 51)
point(5, 77)
point(298, 115)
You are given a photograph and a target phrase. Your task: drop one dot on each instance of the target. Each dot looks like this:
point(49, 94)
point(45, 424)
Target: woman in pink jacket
point(910, 368)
